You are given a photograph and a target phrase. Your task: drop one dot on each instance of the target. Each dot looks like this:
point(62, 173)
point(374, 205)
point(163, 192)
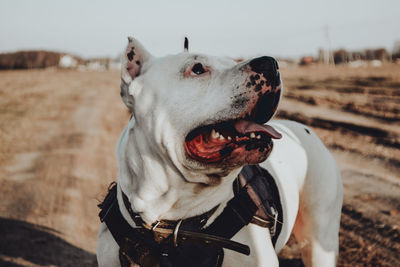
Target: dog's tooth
point(237, 138)
point(258, 136)
point(229, 138)
point(213, 134)
point(221, 137)
point(252, 135)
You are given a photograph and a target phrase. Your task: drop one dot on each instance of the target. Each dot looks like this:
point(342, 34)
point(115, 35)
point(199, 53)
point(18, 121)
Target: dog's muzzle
point(243, 139)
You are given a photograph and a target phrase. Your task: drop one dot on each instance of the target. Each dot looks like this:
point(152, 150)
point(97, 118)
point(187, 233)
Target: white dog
point(197, 120)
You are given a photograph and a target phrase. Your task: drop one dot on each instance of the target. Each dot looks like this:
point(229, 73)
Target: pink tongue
point(244, 127)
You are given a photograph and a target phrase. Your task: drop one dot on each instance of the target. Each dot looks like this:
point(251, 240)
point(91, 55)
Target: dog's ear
point(134, 57)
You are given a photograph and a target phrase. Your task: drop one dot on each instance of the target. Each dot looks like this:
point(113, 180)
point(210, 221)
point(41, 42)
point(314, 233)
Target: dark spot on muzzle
point(268, 67)
point(131, 54)
point(239, 102)
point(258, 88)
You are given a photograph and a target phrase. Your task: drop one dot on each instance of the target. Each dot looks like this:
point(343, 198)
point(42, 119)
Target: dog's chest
point(256, 201)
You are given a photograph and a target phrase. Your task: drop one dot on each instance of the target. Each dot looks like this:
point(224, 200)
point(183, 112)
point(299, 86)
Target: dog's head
point(205, 114)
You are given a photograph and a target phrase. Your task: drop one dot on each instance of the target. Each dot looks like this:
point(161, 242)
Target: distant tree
point(341, 56)
point(34, 59)
point(381, 54)
point(29, 60)
point(358, 55)
point(396, 50)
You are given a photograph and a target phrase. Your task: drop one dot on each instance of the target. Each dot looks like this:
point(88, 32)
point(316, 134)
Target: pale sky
point(220, 27)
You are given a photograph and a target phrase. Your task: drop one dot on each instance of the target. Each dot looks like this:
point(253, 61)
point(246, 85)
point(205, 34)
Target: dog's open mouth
point(241, 141)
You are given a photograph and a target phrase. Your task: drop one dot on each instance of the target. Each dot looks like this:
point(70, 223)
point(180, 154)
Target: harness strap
point(238, 212)
point(119, 228)
point(256, 201)
point(123, 232)
point(262, 189)
point(196, 222)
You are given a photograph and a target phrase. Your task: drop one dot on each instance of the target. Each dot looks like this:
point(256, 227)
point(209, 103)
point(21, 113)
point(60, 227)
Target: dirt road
point(58, 134)
point(58, 131)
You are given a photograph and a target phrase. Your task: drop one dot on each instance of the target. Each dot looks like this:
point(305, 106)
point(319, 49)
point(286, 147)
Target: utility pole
point(328, 55)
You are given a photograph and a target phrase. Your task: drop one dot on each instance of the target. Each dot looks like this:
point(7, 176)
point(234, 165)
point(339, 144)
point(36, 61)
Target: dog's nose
point(264, 64)
point(268, 67)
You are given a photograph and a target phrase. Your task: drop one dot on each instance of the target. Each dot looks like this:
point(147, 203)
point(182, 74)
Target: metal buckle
point(155, 226)
point(261, 222)
point(273, 229)
point(176, 233)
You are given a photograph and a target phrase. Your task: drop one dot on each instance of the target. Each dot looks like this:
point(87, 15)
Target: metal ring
point(176, 233)
point(273, 230)
point(155, 226)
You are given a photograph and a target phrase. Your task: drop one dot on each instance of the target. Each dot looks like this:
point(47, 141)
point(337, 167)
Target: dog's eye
point(198, 69)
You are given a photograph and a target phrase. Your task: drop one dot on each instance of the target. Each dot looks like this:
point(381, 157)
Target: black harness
point(186, 242)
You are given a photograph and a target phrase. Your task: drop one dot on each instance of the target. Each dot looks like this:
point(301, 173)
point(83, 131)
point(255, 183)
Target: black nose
point(266, 66)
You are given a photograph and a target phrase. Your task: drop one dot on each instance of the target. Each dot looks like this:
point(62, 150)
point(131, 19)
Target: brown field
point(58, 131)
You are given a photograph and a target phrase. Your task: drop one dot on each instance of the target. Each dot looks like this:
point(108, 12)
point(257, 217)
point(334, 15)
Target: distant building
point(68, 62)
point(307, 60)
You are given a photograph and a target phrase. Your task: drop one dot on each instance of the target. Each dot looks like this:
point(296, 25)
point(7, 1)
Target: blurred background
point(61, 114)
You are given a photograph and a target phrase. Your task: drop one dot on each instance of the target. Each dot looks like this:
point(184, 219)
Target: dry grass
point(356, 114)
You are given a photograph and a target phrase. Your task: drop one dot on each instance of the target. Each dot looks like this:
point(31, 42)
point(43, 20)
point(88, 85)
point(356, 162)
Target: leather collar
point(162, 228)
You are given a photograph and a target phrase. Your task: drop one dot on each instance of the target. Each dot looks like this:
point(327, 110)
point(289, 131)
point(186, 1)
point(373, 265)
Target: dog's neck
point(157, 189)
